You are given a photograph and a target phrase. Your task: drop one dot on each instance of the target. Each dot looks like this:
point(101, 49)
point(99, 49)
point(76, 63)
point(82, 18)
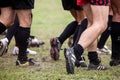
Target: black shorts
point(5, 3)
point(17, 4)
point(70, 4)
point(22, 4)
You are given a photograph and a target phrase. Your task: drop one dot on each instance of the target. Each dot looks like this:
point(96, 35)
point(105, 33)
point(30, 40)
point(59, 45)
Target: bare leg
point(99, 24)
point(23, 32)
point(24, 17)
point(7, 16)
point(6, 20)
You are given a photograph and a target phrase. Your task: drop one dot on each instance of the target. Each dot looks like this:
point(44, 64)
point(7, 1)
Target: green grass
point(49, 21)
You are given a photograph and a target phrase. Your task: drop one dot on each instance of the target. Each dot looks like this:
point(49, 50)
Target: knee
point(7, 22)
point(10, 23)
point(104, 27)
point(25, 21)
point(100, 26)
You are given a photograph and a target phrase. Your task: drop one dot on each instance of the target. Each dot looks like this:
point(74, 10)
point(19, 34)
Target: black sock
point(2, 28)
point(115, 36)
point(80, 28)
point(12, 29)
point(68, 31)
point(105, 34)
point(76, 34)
point(10, 33)
point(93, 57)
point(22, 38)
point(78, 50)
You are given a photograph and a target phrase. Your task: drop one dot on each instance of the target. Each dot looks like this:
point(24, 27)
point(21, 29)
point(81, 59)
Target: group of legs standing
point(10, 33)
point(23, 9)
point(73, 27)
point(91, 19)
point(88, 37)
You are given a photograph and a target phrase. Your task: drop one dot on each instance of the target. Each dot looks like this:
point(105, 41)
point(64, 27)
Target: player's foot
point(29, 62)
point(114, 62)
point(31, 52)
point(16, 51)
point(70, 60)
point(81, 63)
point(34, 42)
point(3, 46)
point(104, 50)
point(99, 66)
point(55, 48)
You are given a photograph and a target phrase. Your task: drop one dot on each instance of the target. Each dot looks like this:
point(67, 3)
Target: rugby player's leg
point(115, 33)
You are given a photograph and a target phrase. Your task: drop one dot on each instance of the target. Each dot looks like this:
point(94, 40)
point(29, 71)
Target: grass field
point(49, 21)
